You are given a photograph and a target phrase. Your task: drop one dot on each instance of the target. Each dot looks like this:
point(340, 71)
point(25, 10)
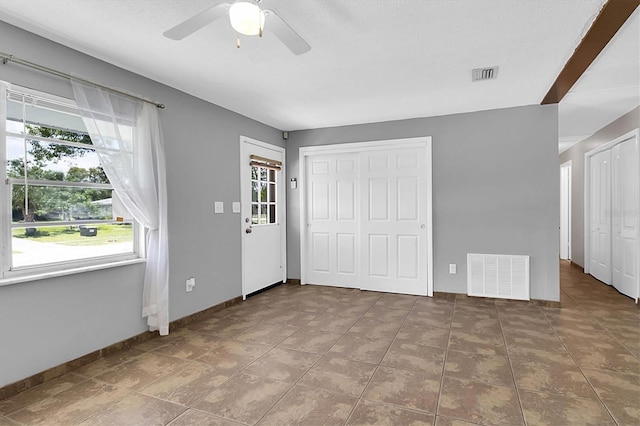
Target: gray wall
point(615, 129)
point(495, 191)
point(495, 188)
point(47, 322)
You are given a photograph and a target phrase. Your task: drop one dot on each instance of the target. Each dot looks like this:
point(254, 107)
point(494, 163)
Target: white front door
point(262, 215)
point(600, 217)
point(394, 221)
point(332, 227)
point(624, 216)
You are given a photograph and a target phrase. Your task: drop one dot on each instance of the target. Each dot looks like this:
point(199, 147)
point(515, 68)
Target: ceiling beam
point(612, 16)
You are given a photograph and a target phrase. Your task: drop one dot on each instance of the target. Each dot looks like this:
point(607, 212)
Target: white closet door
point(393, 218)
point(624, 216)
point(332, 220)
point(600, 217)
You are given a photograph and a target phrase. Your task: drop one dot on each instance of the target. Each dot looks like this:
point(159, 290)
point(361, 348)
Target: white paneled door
point(612, 234)
point(600, 217)
point(366, 219)
point(624, 216)
point(393, 221)
point(332, 207)
point(262, 215)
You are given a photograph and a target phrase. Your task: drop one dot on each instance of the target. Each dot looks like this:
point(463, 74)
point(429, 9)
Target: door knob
point(248, 230)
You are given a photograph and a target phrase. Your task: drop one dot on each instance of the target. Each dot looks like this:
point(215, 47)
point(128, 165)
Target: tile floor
point(308, 355)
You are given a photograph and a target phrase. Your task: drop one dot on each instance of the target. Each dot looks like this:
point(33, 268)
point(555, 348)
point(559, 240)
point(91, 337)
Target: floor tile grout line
point(366, 386)
point(616, 338)
point(326, 354)
point(364, 390)
point(566, 348)
point(513, 374)
point(446, 356)
point(297, 381)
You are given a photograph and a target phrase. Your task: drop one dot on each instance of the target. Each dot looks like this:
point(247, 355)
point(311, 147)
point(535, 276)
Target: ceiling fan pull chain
point(238, 42)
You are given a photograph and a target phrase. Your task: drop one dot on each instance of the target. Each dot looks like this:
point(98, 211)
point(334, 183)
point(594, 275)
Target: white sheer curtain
point(126, 134)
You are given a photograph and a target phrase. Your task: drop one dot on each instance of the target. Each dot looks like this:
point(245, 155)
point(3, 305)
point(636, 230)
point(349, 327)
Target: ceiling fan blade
point(285, 33)
point(198, 21)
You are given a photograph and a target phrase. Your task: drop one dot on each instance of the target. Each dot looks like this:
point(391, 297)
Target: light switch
point(452, 268)
point(218, 207)
point(235, 207)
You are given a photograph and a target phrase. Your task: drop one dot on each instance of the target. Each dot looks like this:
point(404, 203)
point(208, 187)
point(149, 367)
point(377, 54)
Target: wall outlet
point(452, 268)
point(191, 284)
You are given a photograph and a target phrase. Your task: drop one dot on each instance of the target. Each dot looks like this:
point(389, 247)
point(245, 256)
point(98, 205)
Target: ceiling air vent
point(480, 74)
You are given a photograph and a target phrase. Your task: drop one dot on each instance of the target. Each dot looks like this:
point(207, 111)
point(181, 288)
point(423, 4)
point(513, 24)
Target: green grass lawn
point(70, 235)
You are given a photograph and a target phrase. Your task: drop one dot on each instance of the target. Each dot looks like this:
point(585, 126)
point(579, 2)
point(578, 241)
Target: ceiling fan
point(246, 18)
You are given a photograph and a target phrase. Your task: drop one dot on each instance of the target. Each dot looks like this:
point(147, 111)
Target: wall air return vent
point(500, 276)
point(480, 74)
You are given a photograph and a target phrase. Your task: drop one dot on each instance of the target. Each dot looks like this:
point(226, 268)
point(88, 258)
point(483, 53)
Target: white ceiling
point(608, 89)
point(371, 60)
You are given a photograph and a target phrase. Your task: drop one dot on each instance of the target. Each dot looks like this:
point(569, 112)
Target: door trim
point(567, 165)
point(417, 142)
point(282, 215)
point(587, 191)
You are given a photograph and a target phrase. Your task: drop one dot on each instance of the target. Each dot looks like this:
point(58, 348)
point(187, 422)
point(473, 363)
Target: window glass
point(263, 196)
point(63, 208)
point(76, 164)
point(40, 203)
point(15, 156)
point(31, 246)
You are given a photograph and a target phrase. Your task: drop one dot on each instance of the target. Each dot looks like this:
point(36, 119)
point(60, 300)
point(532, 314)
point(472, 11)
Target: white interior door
point(332, 206)
point(565, 211)
point(600, 217)
point(624, 216)
point(262, 215)
point(394, 217)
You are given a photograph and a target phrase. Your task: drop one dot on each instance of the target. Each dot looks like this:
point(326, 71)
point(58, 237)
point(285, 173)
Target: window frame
point(270, 201)
point(10, 274)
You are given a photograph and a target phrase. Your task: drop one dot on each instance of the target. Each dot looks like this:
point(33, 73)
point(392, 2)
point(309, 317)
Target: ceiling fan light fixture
point(246, 17)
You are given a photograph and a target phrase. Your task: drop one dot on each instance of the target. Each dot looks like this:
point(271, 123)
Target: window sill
point(71, 271)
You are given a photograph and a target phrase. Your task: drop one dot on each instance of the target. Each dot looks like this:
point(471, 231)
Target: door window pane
point(255, 214)
point(254, 192)
point(272, 193)
point(263, 213)
point(263, 196)
point(272, 213)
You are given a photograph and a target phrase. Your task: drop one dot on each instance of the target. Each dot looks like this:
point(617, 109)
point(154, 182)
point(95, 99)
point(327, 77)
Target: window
point(263, 195)
point(61, 211)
